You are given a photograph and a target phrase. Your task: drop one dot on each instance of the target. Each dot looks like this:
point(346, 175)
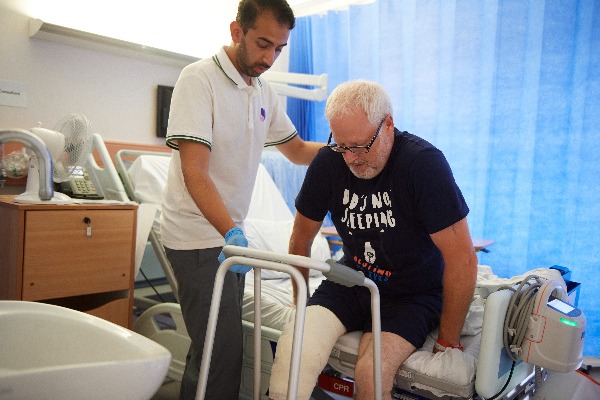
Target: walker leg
point(210, 332)
point(376, 324)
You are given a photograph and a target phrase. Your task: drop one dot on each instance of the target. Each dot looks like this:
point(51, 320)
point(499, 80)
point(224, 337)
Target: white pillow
point(149, 176)
point(148, 173)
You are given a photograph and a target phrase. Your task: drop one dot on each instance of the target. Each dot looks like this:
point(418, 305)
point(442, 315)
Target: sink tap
point(38, 147)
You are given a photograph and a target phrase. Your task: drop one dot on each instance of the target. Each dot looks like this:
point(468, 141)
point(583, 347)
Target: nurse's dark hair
point(249, 10)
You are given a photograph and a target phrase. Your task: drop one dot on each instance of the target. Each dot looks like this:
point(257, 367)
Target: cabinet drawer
point(60, 259)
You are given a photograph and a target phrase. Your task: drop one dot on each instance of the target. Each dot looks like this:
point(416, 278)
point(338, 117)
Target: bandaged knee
point(321, 330)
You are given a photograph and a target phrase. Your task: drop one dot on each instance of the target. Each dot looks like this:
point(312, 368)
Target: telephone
point(80, 186)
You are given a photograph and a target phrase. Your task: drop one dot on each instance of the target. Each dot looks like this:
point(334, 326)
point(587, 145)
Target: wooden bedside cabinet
point(79, 256)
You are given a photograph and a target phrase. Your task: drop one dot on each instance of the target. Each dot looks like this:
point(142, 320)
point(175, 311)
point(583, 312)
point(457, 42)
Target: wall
point(116, 93)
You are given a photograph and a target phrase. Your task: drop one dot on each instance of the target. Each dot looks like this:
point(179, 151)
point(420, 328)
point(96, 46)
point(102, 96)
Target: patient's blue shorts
point(411, 317)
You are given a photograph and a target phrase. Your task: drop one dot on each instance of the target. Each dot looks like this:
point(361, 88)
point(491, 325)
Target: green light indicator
point(568, 322)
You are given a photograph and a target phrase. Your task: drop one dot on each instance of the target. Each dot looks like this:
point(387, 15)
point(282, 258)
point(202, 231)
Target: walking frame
point(262, 259)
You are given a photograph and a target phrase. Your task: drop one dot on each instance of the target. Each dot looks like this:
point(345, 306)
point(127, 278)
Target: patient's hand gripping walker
point(285, 262)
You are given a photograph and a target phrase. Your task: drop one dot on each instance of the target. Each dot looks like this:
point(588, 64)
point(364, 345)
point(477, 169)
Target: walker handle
point(344, 275)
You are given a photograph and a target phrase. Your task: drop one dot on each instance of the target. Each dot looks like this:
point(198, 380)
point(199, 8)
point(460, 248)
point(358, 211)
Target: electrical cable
point(512, 368)
point(162, 300)
point(518, 313)
point(539, 379)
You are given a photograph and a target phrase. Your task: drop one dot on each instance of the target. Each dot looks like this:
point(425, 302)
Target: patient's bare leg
point(394, 351)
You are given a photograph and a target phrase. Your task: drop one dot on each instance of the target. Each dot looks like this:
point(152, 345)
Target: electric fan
point(69, 145)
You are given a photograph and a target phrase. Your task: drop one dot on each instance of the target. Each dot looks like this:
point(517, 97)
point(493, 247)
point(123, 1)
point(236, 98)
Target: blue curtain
point(510, 91)
point(301, 112)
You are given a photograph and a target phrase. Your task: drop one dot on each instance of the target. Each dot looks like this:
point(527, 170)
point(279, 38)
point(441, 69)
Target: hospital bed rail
point(122, 169)
point(103, 172)
point(259, 259)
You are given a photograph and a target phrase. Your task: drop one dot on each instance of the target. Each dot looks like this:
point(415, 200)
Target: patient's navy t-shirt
point(385, 222)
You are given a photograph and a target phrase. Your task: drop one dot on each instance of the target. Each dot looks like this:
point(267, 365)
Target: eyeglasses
point(354, 149)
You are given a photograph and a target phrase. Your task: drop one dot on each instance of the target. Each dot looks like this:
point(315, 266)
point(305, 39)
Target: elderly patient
point(403, 222)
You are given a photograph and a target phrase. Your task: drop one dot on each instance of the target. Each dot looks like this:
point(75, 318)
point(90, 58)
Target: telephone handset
point(80, 186)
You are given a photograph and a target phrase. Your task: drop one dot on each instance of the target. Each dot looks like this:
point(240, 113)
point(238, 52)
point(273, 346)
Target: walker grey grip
point(344, 275)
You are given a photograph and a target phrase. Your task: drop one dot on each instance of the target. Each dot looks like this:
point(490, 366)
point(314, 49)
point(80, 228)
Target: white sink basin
point(51, 352)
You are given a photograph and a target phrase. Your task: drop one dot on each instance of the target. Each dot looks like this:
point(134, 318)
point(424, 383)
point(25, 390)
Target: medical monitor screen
point(561, 306)
point(163, 104)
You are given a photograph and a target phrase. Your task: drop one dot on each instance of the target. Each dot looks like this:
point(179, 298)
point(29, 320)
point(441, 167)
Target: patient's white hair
point(359, 95)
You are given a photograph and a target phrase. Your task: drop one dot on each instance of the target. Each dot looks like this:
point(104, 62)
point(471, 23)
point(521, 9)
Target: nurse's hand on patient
point(235, 236)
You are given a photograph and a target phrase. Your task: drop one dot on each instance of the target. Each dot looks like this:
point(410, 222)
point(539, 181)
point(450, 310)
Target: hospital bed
point(268, 227)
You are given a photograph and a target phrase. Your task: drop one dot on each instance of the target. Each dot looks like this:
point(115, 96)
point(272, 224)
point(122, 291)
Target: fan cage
point(77, 131)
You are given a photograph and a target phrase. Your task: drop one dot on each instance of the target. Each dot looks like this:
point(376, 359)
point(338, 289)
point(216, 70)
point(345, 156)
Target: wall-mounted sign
point(13, 94)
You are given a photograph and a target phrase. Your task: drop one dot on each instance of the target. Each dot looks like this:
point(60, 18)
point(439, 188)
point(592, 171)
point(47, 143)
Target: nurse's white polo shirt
point(212, 105)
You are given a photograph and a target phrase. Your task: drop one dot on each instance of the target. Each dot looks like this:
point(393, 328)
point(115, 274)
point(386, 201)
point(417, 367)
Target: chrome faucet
point(43, 155)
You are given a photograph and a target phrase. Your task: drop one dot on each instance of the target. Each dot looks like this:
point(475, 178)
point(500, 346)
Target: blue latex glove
point(235, 236)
